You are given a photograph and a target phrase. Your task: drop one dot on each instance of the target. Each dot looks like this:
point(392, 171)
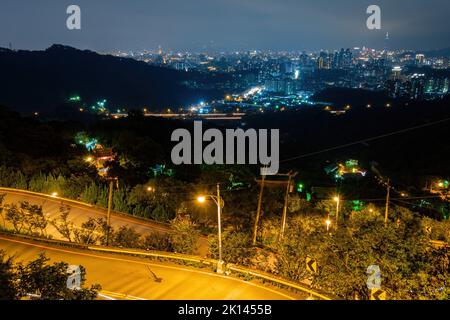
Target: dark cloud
point(229, 24)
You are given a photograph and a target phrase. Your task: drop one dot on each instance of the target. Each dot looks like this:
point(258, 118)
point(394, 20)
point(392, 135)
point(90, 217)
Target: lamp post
point(337, 200)
point(110, 199)
point(328, 223)
point(108, 217)
point(220, 204)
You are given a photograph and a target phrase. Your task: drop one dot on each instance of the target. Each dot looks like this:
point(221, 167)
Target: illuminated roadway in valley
point(127, 277)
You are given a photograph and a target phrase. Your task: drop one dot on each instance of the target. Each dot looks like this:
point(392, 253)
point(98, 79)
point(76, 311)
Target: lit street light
point(220, 204)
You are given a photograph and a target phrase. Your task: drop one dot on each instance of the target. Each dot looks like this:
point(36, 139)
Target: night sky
point(224, 24)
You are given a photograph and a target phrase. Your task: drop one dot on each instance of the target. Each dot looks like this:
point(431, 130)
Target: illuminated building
point(420, 59)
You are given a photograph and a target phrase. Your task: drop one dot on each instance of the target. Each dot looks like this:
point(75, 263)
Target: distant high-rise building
point(396, 73)
point(417, 87)
point(386, 41)
point(287, 67)
point(348, 59)
point(420, 59)
point(320, 63)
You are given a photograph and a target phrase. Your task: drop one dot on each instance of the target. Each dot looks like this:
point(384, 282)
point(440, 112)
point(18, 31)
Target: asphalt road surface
point(126, 277)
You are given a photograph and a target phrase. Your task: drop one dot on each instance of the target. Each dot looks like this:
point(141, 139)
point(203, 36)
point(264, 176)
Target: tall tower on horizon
point(386, 42)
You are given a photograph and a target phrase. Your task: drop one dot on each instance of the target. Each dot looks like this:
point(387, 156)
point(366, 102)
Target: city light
point(75, 99)
point(201, 199)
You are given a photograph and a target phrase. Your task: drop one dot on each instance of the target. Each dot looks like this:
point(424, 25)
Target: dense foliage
point(38, 279)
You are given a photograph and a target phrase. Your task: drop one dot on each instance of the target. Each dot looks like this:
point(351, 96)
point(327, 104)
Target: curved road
point(130, 277)
point(79, 212)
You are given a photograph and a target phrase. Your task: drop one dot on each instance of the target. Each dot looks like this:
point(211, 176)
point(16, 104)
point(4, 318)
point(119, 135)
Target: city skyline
point(224, 25)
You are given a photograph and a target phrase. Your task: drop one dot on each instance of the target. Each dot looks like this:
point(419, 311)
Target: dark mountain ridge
point(41, 80)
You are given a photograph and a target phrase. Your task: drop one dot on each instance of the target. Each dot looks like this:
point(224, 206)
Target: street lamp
point(220, 204)
point(337, 200)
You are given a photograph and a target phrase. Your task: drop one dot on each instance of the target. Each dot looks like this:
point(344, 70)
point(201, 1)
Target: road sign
point(377, 294)
point(311, 264)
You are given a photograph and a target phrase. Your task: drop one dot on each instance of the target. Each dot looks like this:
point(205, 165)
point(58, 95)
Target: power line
point(366, 140)
point(402, 198)
point(158, 190)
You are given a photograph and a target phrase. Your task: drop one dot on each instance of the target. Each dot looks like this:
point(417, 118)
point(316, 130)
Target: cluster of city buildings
point(291, 77)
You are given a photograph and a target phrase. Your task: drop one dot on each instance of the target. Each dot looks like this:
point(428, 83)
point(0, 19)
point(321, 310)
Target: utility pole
point(219, 223)
point(258, 210)
point(338, 200)
point(108, 219)
point(286, 201)
point(386, 213)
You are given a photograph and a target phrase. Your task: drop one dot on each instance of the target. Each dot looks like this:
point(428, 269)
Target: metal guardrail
point(61, 243)
point(177, 257)
point(43, 195)
point(154, 254)
point(439, 244)
point(278, 280)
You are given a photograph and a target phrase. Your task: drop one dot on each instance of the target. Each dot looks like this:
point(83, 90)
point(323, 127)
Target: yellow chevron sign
point(377, 294)
point(311, 264)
